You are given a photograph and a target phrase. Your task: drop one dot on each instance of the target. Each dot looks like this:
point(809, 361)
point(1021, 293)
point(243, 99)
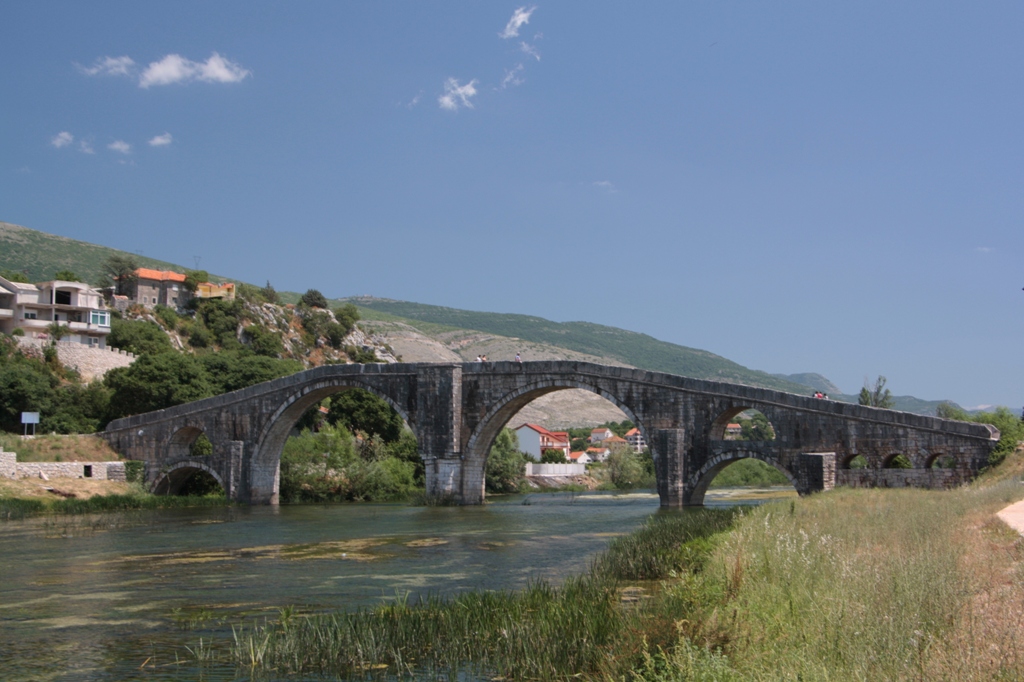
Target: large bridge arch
point(265, 464)
point(479, 443)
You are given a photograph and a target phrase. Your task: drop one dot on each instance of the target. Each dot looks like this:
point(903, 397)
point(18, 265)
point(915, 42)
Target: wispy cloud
point(530, 50)
point(109, 66)
point(456, 95)
point(177, 69)
point(513, 77)
point(62, 139)
point(520, 17)
point(415, 100)
point(120, 146)
point(606, 185)
point(984, 249)
point(161, 140)
point(85, 147)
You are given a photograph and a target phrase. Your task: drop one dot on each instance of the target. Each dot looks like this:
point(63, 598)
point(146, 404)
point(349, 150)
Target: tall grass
point(18, 508)
point(853, 585)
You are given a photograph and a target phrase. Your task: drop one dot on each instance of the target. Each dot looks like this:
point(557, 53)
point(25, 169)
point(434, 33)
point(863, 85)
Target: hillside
point(613, 344)
point(427, 333)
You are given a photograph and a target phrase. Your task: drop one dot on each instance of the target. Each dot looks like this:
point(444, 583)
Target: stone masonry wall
point(90, 361)
point(101, 471)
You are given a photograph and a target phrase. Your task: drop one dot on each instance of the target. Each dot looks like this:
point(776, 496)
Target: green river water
point(120, 596)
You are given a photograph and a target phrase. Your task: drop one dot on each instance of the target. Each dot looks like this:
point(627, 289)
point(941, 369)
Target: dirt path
point(1013, 516)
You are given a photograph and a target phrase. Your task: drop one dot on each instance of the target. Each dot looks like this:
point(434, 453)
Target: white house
point(33, 307)
point(598, 454)
point(636, 439)
point(599, 434)
point(534, 440)
point(579, 458)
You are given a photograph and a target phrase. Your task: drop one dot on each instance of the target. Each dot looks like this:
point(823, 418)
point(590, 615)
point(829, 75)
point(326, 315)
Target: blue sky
point(828, 187)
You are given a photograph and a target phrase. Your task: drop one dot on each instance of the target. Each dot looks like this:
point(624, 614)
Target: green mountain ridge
point(39, 255)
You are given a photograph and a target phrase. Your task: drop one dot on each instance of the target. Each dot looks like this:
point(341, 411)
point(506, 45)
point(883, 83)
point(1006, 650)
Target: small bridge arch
point(703, 477)
point(170, 481)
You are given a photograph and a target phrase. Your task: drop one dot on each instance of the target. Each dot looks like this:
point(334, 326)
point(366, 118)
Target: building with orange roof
point(636, 439)
point(160, 287)
point(733, 431)
point(535, 439)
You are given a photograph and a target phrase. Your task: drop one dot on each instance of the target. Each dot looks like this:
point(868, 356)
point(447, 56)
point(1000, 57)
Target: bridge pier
point(669, 447)
point(815, 472)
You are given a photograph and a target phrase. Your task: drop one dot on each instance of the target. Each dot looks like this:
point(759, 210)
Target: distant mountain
point(620, 345)
point(811, 380)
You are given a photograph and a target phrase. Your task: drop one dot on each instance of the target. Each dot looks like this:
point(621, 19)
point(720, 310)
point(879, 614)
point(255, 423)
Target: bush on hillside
point(138, 336)
point(506, 466)
point(313, 299)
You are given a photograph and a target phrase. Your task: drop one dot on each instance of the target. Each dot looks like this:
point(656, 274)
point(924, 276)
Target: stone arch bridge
point(457, 410)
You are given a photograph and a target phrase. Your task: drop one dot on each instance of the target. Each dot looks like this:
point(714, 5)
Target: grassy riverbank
point(16, 504)
point(852, 584)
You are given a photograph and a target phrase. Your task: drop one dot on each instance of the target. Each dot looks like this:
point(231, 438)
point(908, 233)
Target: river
point(118, 596)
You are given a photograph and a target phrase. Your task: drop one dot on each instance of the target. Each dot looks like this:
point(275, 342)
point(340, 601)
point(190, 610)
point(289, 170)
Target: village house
point(598, 454)
point(160, 287)
point(733, 431)
point(34, 307)
point(224, 290)
point(534, 440)
point(636, 439)
point(599, 434)
point(615, 442)
point(579, 458)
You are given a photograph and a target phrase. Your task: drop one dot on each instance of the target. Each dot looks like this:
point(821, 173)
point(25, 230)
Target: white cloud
point(161, 140)
point(606, 186)
point(120, 146)
point(62, 139)
point(85, 147)
point(456, 95)
point(984, 249)
point(530, 50)
point(519, 17)
point(177, 69)
point(109, 66)
point(513, 77)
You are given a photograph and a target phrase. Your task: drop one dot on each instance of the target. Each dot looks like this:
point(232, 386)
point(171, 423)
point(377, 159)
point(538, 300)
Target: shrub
point(313, 299)
point(18, 332)
point(505, 464)
point(166, 315)
point(138, 336)
point(552, 456)
point(262, 341)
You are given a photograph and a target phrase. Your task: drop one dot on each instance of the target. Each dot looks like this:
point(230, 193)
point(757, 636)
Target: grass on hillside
point(59, 448)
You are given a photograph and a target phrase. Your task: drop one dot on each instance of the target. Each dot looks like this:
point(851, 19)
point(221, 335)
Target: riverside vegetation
point(894, 584)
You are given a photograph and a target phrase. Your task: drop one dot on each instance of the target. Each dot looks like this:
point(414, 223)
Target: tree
point(878, 396)
point(119, 273)
point(313, 299)
point(626, 469)
point(552, 456)
point(505, 464)
point(66, 276)
point(359, 410)
point(154, 382)
point(138, 336)
point(12, 276)
point(347, 316)
point(948, 410)
point(193, 278)
point(270, 293)
point(57, 331)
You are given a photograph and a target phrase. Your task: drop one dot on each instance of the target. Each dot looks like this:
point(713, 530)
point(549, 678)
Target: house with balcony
point(636, 439)
point(534, 440)
point(34, 307)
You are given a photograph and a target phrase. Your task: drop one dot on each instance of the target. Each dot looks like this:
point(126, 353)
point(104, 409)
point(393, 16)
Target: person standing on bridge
point(518, 359)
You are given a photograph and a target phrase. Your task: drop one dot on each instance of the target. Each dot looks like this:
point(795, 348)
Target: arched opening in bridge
point(742, 424)
point(746, 478)
point(192, 479)
point(854, 462)
point(553, 436)
point(350, 445)
point(897, 461)
point(941, 461)
point(189, 441)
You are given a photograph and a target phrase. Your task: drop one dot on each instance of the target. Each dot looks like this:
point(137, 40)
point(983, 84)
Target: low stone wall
point(935, 479)
point(101, 471)
point(8, 464)
point(91, 362)
point(535, 469)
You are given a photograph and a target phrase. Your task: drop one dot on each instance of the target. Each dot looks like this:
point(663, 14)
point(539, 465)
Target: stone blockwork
point(457, 410)
point(91, 362)
point(101, 471)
